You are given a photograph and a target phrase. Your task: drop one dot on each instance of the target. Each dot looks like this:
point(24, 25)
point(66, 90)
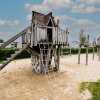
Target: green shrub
point(6, 53)
point(75, 51)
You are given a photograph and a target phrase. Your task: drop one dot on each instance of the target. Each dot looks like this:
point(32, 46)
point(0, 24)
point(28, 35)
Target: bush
point(75, 51)
point(6, 53)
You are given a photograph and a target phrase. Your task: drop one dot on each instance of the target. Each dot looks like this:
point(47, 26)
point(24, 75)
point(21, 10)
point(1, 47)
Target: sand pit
point(19, 82)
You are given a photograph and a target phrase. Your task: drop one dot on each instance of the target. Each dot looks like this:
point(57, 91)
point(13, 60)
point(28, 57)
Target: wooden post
point(27, 37)
point(23, 41)
point(67, 36)
point(87, 50)
point(94, 44)
point(58, 53)
point(70, 51)
point(35, 34)
point(57, 57)
point(99, 48)
point(93, 52)
point(61, 52)
point(79, 50)
point(99, 53)
point(32, 36)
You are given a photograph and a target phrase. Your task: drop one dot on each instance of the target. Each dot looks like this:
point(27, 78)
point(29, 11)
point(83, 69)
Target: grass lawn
point(1, 61)
point(93, 87)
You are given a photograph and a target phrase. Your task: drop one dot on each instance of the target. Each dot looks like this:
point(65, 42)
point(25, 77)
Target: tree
point(82, 37)
point(1, 41)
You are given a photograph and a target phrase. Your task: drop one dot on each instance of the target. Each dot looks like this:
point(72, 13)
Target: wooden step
point(8, 58)
point(4, 61)
point(0, 64)
point(17, 52)
point(12, 55)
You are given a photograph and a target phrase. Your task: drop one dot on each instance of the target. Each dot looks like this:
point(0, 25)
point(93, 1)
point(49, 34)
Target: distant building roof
point(43, 19)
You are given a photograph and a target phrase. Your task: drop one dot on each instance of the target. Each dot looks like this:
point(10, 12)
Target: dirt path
point(19, 82)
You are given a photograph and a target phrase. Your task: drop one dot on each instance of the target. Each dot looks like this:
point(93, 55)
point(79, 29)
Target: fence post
point(79, 50)
point(98, 48)
point(70, 51)
point(93, 52)
point(87, 50)
point(94, 44)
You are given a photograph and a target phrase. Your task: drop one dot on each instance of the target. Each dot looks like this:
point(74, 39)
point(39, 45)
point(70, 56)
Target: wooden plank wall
point(59, 36)
point(62, 36)
point(41, 34)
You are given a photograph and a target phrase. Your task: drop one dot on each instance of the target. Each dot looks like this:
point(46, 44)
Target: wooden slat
point(12, 57)
point(14, 38)
point(44, 27)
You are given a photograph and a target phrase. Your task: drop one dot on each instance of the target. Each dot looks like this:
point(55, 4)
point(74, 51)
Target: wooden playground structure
point(43, 40)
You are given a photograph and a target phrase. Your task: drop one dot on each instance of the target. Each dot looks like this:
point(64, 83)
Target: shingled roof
point(43, 19)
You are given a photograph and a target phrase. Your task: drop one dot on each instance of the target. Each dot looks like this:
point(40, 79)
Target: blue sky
point(74, 14)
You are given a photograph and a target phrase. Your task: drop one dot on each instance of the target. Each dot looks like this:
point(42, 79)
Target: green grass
point(1, 61)
point(93, 87)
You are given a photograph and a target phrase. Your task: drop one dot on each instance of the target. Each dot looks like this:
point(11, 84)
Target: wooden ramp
point(25, 45)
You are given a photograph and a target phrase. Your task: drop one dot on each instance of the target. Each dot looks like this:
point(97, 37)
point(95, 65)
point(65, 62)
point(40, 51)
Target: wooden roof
point(43, 19)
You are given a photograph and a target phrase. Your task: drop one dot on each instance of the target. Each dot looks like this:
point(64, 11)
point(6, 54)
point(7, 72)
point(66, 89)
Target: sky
point(15, 15)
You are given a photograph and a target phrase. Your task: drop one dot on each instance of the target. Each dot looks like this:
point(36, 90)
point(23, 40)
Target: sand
point(19, 82)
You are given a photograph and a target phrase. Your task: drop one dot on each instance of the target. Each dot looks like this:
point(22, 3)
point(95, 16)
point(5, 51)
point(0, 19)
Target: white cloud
point(75, 24)
point(82, 8)
point(58, 3)
point(88, 2)
point(9, 23)
point(92, 9)
point(48, 5)
point(84, 22)
point(86, 6)
point(29, 17)
point(40, 8)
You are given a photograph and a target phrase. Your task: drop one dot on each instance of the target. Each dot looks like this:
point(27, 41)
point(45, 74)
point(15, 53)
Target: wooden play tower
point(43, 40)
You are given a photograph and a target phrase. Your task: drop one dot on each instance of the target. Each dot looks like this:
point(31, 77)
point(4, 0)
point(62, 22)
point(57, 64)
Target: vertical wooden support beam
point(99, 53)
point(56, 35)
point(23, 40)
point(99, 48)
point(62, 51)
point(87, 50)
point(53, 36)
point(32, 35)
point(35, 34)
point(58, 53)
point(94, 44)
point(67, 36)
point(70, 51)
point(93, 52)
point(79, 50)
point(57, 31)
point(27, 37)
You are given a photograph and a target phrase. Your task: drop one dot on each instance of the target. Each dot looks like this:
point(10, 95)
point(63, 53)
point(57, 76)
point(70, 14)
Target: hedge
point(75, 51)
point(6, 53)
